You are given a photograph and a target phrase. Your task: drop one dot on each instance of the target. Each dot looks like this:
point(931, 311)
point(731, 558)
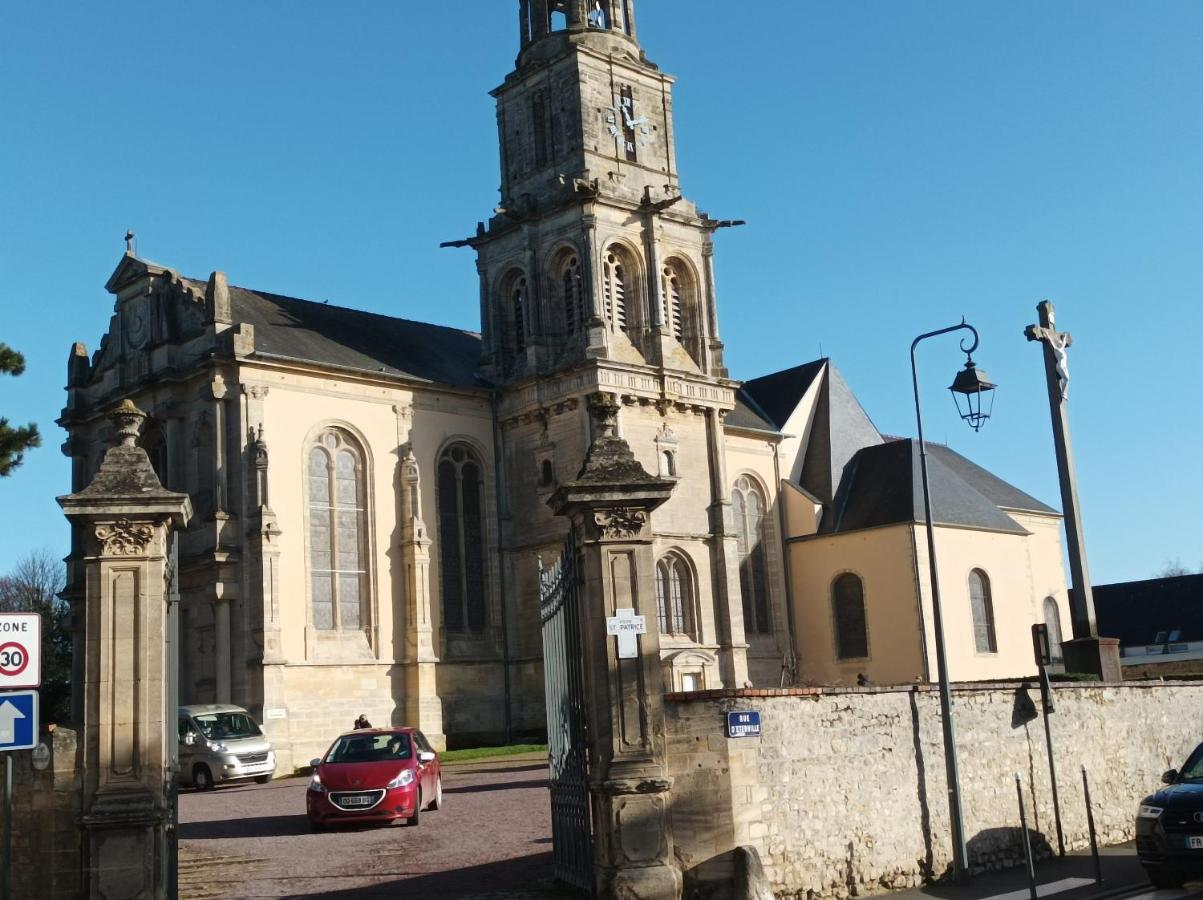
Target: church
point(370, 492)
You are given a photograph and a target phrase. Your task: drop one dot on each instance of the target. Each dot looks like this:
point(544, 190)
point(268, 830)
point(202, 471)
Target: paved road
point(492, 840)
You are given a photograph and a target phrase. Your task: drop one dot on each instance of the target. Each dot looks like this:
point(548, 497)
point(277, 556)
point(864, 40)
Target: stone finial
point(127, 419)
point(260, 449)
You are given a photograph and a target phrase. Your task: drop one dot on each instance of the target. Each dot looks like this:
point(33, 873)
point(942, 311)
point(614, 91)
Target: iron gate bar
point(564, 684)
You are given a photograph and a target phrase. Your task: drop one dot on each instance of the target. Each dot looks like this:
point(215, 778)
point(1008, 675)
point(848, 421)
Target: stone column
point(610, 505)
point(733, 652)
point(124, 517)
point(423, 706)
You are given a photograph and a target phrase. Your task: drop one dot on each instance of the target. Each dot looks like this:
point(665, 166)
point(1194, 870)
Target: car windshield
point(1192, 769)
point(353, 748)
point(227, 726)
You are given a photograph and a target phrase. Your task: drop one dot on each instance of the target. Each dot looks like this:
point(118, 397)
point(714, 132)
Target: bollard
point(1094, 841)
point(1027, 843)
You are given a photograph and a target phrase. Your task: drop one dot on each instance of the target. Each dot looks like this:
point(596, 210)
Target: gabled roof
point(1137, 611)
point(748, 414)
point(839, 429)
point(348, 338)
point(778, 395)
point(883, 485)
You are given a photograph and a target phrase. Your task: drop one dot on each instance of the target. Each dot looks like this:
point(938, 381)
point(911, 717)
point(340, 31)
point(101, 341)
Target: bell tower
point(597, 285)
point(592, 252)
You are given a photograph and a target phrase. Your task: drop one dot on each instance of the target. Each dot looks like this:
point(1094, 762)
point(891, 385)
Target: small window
point(691, 681)
point(851, 627)
point(668, 464)
point(1052, 618)
point(547, 475)
point(614, 282)
point(982, 607)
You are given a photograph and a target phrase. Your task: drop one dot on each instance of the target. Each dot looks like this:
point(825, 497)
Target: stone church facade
point(370, 492)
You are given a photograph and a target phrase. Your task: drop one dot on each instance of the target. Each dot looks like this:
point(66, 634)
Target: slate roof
point(748, 414)
point(353, 339)
point(1137, 611)
point(883, 485)
point(778, 395)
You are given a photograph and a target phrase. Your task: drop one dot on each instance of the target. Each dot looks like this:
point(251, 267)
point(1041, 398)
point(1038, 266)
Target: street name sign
point(18, 720)
point(20, 650)
point(743, 723)
point(626, 626)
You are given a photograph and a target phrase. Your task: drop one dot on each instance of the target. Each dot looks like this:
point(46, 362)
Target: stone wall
point(844, 792)
point(47, 842)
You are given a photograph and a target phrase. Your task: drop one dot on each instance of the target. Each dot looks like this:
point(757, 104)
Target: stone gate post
point(610, 505)
point(123, 519)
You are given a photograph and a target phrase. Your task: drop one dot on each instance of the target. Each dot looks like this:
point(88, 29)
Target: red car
point(375, 775)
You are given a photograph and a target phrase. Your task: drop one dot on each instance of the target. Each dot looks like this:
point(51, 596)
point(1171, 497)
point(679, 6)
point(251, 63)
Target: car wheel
point(262, 779)
point(416, 817)
point(1165, 878)
point(437, 801)
point(202, 778)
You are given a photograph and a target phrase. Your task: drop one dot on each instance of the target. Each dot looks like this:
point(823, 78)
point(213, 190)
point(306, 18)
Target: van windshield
point(227, 726)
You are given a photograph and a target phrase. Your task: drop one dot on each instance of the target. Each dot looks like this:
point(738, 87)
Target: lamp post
point(970, 387)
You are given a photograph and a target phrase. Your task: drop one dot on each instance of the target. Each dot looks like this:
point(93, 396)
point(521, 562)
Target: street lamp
point(969, 389)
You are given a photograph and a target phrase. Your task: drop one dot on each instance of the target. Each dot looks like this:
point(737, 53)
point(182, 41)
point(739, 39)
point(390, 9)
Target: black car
point(1169, 826)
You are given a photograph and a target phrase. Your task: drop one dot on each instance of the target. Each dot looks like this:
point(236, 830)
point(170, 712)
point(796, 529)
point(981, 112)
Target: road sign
point(18, 720)
point(20, 650)
point(625, 625)
point(743, 723)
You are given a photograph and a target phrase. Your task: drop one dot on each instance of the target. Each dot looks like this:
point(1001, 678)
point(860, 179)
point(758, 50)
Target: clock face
point(627, 126)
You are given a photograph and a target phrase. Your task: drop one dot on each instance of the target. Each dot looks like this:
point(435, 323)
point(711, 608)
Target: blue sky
point(900, 165)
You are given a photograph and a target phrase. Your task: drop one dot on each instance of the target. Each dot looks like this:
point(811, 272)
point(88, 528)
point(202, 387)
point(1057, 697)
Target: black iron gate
point(564, 681)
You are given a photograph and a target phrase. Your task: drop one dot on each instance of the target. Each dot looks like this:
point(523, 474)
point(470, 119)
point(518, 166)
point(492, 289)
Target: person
point(362, 722)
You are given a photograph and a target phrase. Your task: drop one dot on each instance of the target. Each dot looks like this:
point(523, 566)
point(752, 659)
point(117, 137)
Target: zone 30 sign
point(20, 650)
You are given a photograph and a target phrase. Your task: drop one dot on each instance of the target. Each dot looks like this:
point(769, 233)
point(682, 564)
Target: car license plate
point(367, 801)
point(1195, 842)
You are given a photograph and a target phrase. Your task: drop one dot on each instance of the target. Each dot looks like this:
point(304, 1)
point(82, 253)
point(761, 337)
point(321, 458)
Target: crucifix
point(1056, 366)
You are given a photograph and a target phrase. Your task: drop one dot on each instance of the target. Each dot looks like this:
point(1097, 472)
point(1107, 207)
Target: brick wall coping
point(966, 687)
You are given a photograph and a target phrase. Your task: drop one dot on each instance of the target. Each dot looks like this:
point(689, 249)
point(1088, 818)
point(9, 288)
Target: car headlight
point(315, 784)
point(215, 747)
point(405, 778)
point(1149, 812)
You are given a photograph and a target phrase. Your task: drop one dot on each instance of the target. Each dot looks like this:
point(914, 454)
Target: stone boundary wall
point(47, 842)
point(845, 791)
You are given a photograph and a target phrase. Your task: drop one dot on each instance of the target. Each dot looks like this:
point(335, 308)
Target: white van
point(221, 743)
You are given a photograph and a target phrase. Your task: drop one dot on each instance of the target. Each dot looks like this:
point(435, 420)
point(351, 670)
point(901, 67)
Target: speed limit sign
point(20, 650)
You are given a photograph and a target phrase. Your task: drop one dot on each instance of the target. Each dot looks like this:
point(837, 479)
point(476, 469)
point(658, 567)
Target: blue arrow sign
point(18, 720)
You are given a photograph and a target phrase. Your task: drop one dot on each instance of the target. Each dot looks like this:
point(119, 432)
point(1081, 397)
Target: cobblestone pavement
point(492, 841)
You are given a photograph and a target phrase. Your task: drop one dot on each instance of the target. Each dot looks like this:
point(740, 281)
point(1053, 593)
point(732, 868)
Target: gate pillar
point(610, 505)
point(123, 519)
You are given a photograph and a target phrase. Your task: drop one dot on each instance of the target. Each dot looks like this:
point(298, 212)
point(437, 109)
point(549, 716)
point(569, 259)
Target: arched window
point(518, 307)
point(753, 566)
point(337, 495)
point(461, 539)
point(674, 596)
point(547, 473)
point(614, 288)
point(851, 626)
point(155, 445)
point(572, 296)
point(982, 607)
point(672, 290)
point(1052, 618)
point(204, 500)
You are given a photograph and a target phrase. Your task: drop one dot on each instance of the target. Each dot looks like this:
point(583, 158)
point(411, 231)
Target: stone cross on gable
point(1058, 343)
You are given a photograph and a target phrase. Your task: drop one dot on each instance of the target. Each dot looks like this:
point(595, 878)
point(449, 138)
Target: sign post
point(18, 731)
point(626, 626)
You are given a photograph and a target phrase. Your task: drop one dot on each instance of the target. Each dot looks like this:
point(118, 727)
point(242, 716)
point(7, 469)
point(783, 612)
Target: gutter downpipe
point(783, 523)
point(499, 488)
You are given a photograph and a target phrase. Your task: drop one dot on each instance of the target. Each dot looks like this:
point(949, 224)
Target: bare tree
point(1174, 568)
point(33, 586)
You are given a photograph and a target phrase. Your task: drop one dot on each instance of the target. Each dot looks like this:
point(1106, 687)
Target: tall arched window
point(518, 308)
point(749, 506)
point(204, 500)
point(674, 596)
point(337, 495)
point(672, 290)
point(572, 296)
point(982, 607)
point(155, 444)
point(851, 626)
point(614, 288)
point(1052, 618)
point(461, 539)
